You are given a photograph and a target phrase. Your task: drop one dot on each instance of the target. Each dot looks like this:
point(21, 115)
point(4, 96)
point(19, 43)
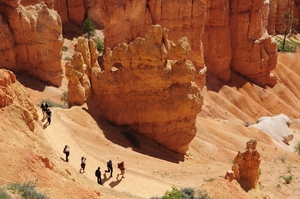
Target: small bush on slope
point(185, 193)
point(26, 190)
point(3, 194)
point(297, 147)
point(50, 103)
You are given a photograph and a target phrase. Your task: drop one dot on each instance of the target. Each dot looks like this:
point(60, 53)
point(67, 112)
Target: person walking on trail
point(98, 175)
point(49, 115)
point(82, 165)
point(44, 107)
point(121, 166)
point(109, 168)
point(67, 152)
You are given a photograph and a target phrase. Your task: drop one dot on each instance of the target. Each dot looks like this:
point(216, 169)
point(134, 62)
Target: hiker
point(122, 169)
point(67, 152)
point(98, 175)
point(82, 165)
point(109, 168)
point(49, 114)
point(44, 107)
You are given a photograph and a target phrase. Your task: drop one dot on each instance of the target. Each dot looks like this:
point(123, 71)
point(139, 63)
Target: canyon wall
point(216, 39)
point(73, 10)
point(33, 40)
point(254, 53)
point(126, 20)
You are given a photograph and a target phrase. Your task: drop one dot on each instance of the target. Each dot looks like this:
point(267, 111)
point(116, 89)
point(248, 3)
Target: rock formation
point(148, 85)
point(246, 167)
point(236, 39)
point(254, 54)
point(33, 40)
point(73, 10)
point(216, 39)
point(14, 96)
point(78, 71)
point(126, 20)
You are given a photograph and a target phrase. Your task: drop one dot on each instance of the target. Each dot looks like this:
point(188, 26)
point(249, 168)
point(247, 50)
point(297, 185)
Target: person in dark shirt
point(109, 168)
point(98, 175)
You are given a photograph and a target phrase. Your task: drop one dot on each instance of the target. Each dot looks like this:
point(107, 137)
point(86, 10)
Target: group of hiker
point(47, 114)
point(121, 166)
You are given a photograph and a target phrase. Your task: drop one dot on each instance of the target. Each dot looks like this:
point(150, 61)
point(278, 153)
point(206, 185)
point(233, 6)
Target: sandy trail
point(63, 130)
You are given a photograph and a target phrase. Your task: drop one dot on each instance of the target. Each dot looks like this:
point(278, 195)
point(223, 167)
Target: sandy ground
point(151, 169)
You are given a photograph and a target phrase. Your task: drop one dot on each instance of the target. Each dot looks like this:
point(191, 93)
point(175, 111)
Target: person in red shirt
point(122, 169)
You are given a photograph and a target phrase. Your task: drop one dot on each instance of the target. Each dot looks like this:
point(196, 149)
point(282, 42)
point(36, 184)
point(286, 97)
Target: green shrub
point(64, 48)
point(64, 97)
point(297, 148)
point(290, 45)
point(54, 104)
point(89, 27)
point(3, 194)
point(209, 180)
point(99, 44)
point(173, 194)
point(203, 195)
point(282, 158)
point(27, 190)
point(278, 186)
point(67, 58)
point(185, 193)
point(287, 179)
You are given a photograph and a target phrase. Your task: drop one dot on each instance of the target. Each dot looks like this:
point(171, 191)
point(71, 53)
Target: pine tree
point(88, 27)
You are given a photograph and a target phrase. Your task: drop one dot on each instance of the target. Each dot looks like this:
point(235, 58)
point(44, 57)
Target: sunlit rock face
point(148, 85)
point(33, 41)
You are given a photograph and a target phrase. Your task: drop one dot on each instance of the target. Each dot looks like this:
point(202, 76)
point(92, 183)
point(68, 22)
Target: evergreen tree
point(88, 27)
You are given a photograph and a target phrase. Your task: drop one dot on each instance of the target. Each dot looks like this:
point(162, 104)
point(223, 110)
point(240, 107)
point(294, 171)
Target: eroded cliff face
point(15, 99)
point(33, 40)
point(216, 39)
point(126, 20)
point(254, 53)
point(73, 10)
point(236, 39)
point(148, 85)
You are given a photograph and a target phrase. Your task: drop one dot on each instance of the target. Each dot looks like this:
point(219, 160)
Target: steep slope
point(151, 169)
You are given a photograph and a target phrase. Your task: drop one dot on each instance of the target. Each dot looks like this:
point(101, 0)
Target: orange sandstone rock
point(36, 43)
point(246, 166)
point(14, 96)
point(148, 85)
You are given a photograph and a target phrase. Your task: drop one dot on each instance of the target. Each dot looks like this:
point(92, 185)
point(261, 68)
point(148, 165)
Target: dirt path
point(64, 130)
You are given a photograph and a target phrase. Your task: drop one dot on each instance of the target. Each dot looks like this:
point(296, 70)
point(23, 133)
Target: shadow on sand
point(115, 183)
point(126, 138)
point(30, 81)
